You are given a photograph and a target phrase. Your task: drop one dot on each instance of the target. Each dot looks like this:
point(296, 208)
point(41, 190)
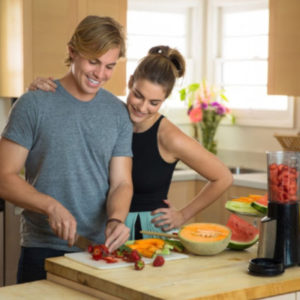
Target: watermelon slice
point(244, 234)
point(261, 204)
point(242, 208)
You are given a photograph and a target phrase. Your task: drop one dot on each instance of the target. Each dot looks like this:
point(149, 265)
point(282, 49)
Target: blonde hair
point(163, 65)
point(94, 36)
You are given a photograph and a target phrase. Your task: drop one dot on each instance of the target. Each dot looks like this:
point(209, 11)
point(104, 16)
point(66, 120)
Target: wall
point(253, 142)
point(4, 110)
point(246, 146)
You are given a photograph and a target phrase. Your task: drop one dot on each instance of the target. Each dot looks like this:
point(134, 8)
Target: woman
point(158, 145)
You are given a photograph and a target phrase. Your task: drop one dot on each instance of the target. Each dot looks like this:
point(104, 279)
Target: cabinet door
point(116, 9)
point(216, 212)
point(53, 23)
point(181, 193)
point(11, 243)
point(1, 249)
point(48, 26)
point(284, 48)
point(11, 48)
point(34, 36)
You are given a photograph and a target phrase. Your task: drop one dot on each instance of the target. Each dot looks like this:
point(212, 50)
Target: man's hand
point(63, 223)
point(116, 235)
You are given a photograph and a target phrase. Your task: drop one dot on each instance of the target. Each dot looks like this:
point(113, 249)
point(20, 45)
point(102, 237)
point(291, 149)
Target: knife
point(169, 235)
point(82, 242)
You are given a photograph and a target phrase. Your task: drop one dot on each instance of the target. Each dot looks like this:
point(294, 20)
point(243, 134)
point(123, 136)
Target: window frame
point(244, 117)
point(194, 42)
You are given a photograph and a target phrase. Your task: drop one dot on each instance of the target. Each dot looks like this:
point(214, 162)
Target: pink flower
point(201, 97)
point(228, 110)
point(195, 115)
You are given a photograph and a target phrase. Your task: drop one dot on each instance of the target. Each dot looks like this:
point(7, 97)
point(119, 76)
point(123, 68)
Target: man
point(75, 145)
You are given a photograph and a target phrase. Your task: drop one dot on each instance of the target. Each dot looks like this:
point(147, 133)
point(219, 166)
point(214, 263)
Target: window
point(241, 61)
point(167, 22)
point(223, 41)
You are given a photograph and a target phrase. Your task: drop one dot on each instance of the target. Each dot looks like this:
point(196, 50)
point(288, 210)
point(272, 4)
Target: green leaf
point(182, 94)
point(233, 119)
point(193, 87)
point(224, 97)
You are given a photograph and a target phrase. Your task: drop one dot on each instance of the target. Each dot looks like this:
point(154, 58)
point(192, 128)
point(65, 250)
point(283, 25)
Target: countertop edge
point(253, 180)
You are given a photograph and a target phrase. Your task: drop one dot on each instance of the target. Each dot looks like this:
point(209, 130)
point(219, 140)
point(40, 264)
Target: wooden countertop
point(41, 290)
point(224, 276)
point(253, 180)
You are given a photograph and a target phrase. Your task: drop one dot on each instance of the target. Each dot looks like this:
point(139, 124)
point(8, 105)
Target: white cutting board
point(86, 258)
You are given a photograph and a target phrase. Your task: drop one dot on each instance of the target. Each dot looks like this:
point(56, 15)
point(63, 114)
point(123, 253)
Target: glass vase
point(209, 126)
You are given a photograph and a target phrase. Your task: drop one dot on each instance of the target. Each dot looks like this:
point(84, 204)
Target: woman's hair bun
point(173, 55)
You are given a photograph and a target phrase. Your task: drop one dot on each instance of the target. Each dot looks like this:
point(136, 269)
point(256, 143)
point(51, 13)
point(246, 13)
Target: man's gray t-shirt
point(70, 145)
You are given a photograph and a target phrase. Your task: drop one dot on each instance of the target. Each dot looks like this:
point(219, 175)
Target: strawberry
point(90, 249)
point(134, 255)
point(97, 253)
point(104, 249)
point(158, 261)
point(139, 264)
point(110, 259)
point(117, 253)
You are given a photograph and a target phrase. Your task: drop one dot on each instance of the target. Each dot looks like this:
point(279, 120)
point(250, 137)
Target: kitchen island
point(223, 276)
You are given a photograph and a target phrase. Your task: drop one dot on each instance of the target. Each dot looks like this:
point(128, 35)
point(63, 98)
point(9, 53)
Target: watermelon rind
point(242, 208)
point(235, 245)
point(260, 207)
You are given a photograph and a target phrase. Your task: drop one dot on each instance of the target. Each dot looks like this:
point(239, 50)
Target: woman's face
point(144, 100)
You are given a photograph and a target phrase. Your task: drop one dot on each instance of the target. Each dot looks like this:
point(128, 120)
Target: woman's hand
point(44, 84)
point(170, 217)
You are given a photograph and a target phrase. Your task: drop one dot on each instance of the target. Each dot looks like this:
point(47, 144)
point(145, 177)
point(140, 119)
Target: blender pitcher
point(279, 231)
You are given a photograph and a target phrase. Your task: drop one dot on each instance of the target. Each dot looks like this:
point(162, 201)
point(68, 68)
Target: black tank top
point(151, 175)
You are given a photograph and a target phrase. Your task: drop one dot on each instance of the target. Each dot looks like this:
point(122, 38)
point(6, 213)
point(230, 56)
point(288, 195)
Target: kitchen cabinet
point(1, 242)
point(11, 243)
point(182, 192)
point(214, 213)
point(36, 44)
point(284, 48)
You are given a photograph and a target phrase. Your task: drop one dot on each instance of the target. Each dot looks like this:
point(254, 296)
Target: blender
point(279, 230)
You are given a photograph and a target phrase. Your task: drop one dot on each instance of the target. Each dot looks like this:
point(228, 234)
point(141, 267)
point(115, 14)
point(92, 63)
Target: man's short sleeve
point(21, 124)
point(123, 145)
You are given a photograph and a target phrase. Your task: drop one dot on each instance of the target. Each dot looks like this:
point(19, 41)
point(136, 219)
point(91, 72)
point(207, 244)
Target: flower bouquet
point(206, 107)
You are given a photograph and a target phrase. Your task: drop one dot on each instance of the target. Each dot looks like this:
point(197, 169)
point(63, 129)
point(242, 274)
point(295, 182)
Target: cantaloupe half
point(205, 238)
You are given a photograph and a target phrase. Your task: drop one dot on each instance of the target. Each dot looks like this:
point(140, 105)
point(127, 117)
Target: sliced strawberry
point(110, 259)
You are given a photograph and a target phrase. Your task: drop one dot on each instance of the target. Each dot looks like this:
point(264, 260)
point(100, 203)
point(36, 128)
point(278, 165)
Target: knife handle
point(169, 235)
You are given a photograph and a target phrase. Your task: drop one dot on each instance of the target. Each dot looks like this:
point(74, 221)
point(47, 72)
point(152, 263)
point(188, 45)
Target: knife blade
point(82, 242)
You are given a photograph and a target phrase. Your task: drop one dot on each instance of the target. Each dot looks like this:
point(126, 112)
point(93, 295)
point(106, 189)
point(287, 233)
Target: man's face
point(91, 75)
